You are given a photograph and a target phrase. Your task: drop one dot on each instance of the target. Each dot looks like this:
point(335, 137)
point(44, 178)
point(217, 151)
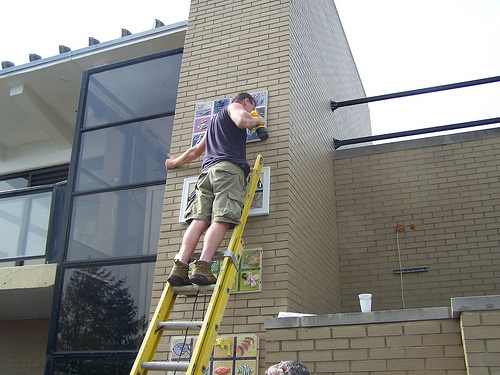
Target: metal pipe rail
point(339, 143)
point(334, 105)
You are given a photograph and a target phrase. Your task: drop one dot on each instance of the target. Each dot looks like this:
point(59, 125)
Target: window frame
point(65, 264)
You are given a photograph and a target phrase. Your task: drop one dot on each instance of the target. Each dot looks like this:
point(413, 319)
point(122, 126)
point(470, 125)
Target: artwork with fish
point(252, 259)
point(231, 354)
point(224, 343)
point(222, 370)
point(182, 348)
point(244, 346)
point(244, 370)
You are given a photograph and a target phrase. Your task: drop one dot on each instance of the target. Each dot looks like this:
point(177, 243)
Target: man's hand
point(241, 115)
point(191, 154)
point(169, 163)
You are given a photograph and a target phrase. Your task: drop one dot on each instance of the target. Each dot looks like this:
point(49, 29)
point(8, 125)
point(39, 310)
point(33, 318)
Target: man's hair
point(242, 96)
point(288, 368)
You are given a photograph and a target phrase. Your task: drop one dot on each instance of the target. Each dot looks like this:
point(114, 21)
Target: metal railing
point(335, 105)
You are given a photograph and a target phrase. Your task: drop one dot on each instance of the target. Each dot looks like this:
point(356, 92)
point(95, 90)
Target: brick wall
point(440, 341)
point(331, 232)
point(444, 191)
point(321, 69)
point(22, 346)
point(481, 337)
point(427, 346)
point(232, 46)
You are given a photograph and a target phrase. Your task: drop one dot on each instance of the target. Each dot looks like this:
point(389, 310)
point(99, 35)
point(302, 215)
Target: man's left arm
point(242, 118)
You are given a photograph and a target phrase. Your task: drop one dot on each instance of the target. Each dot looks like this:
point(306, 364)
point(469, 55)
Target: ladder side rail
point(249, 194)
point(206, 339)
point(153, 336)
point(215, 311)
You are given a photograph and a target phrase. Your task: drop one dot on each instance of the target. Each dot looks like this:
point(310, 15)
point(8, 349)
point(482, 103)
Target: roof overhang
point(39, 100)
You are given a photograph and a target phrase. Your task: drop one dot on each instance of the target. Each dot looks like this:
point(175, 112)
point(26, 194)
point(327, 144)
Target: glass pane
point(36, 240)
point(116, 224)
point(7, 264)
point(31, 262)
point(11, 211)
point(13, 183)
point(125, 154)
point(133, 91)
point(24, 222)
point(105, 307)
point(92, 366)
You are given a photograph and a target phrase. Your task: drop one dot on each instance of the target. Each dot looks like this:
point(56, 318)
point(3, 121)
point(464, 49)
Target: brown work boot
point(202, 273)
point(179, 275)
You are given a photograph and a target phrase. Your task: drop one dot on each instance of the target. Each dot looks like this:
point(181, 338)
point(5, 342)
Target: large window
point(117, 184)
point(127, 154)
point(132, 92)
point(116, 224)
point(104, 307)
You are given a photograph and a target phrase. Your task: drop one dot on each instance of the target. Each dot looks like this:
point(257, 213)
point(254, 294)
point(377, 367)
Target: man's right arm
point(191, 154)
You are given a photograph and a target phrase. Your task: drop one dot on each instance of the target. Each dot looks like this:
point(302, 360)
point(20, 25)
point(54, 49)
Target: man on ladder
point(217, 202)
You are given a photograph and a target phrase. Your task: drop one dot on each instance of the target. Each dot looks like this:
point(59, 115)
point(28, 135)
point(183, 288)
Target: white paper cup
point(365, 300)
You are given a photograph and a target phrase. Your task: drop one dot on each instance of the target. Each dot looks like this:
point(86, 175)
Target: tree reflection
point(94, 366)
point(97, 313)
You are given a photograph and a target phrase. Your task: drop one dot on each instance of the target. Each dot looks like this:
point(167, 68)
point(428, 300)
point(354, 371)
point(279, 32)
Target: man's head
point(288, 368)
point(246, 100)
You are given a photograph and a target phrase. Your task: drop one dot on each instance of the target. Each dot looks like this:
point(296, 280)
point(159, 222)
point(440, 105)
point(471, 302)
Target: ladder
point(209, 327)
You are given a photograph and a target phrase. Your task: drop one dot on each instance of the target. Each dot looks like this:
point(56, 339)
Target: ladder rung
point(178, 325)
point(191, 290)
point(219, 255)
point(165, 366)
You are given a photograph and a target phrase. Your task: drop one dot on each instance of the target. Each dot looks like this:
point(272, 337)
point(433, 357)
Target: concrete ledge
point(481, 303)
point(26, 292)
point(389, 316)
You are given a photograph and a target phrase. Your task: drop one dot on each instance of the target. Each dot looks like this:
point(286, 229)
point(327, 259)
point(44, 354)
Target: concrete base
point(26, 292)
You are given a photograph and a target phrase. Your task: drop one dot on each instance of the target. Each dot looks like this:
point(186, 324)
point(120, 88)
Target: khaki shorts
point(219, 195)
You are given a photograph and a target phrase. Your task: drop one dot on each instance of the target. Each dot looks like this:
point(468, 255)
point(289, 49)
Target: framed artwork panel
point(260, 203)
point(231, 355)
point(204, 112)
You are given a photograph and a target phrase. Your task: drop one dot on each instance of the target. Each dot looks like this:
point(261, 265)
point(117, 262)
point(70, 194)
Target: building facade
point(91, 219)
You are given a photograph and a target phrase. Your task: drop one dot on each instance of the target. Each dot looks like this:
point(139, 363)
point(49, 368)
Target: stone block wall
point(404, 347)
point(370, 343)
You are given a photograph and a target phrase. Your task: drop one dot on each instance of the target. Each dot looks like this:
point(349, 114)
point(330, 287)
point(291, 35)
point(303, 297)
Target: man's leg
point(179, 274)
point(191, 238)
point(213, 238)
point(202, 273)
